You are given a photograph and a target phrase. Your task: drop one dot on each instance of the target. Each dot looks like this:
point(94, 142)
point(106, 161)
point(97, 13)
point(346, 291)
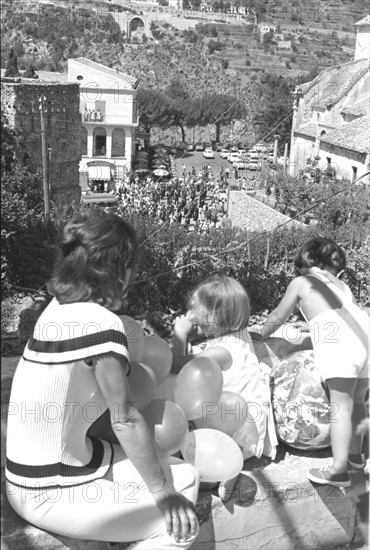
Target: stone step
point(273, 506)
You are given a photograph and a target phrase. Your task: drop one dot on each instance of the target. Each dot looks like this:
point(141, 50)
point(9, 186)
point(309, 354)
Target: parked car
point(219, 147)
point(208, 153)
point(233, 156)
point(242, 152)
point(271, 157)
point(199, 146)
point(254, 164)
point(234, 149)
point(240, 164)
point(224, 154)
point(191, 147)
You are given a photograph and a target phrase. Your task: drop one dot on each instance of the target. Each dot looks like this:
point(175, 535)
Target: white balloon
point(214, 454)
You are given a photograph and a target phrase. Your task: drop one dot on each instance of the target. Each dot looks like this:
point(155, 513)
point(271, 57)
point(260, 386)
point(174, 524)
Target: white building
point(266, 27)
point(109, 118)
point(175, 4)
point(362, 38)
point(330, 121)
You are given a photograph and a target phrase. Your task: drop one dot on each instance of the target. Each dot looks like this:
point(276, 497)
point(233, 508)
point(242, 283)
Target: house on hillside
point(175, 4)
point(329, 119)
point(266, 27)
point(109, 118)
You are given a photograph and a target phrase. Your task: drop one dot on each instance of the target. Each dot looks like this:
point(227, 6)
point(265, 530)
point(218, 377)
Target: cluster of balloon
point(227, 416)
point(135, 338)
point(168, 424)
point(158, 355)
point(198, 385)
point(143, 384)
point(213, 453)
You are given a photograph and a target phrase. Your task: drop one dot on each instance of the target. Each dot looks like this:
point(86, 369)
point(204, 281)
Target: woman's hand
point(178, 513)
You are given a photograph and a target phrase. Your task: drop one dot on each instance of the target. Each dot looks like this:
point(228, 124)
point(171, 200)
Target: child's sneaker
point(357, 462)
point(325, 477)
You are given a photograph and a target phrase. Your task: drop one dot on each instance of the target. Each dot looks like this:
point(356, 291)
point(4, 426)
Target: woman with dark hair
point(75, 367)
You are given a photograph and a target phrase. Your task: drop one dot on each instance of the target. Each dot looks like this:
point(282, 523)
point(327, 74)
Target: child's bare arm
point(179, 341)
point(285, 308)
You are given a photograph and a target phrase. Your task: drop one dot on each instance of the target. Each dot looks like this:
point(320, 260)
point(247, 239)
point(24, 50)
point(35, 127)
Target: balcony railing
point(93, 117)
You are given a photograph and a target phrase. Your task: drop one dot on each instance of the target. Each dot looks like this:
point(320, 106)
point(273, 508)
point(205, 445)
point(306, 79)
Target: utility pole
point(285, 157)
point(276, 138)
point(44, 161)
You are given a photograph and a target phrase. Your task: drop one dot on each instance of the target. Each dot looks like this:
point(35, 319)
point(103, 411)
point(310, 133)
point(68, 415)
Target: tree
point(154, 109)
point(178, 100)
point(24, 258)
point(12, 65)
point(30, 72)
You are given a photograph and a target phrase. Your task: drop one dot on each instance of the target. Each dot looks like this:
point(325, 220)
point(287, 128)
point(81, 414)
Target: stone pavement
point(273, 507)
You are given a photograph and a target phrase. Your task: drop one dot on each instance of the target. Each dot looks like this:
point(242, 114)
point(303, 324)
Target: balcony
point(93, 117)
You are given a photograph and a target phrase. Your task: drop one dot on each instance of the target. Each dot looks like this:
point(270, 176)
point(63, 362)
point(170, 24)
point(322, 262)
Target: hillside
point(216, 54)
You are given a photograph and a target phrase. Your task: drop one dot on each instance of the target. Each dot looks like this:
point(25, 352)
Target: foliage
point(63, 33)
point(12, 65)
point(25, 257)
point(173, 262)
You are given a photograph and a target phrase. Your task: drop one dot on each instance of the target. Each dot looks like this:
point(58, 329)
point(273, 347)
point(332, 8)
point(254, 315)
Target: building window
point(118, 142)
point(100, 142)
point(83, 141)
point(354, 173)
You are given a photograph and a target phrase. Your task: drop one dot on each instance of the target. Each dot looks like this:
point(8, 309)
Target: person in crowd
point(60, 477)
point(340, 335)
point(219, 311)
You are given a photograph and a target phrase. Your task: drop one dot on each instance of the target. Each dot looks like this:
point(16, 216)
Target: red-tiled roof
point(130, 82)
point(364, 21)
point(354, 135)
point(308, 129)
point(333, 83)
point(360, 108)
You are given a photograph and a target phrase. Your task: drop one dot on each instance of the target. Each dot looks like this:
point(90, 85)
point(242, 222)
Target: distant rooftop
point(130, 82)
point(43, 76)
point(364, 21)
point(354, 135)
point(360, 108)
point(333, 83)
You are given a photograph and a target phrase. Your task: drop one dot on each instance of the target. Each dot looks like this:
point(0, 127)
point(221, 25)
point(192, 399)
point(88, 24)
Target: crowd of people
point(197, 201)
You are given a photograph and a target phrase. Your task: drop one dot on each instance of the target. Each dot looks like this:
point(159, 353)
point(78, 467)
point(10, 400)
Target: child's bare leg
point(341, 400)
point(358, 414)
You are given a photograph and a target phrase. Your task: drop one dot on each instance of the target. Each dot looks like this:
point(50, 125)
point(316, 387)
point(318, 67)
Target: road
point(195, 159)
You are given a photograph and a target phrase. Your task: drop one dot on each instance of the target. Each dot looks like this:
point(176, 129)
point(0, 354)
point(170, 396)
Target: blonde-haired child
point(219, 310)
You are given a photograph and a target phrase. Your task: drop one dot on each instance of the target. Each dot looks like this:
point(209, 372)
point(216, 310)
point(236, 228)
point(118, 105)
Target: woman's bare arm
point(135, 439)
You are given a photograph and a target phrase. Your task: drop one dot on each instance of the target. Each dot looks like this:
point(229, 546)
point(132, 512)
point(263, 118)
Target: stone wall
point(21, 104)
point(250, 214)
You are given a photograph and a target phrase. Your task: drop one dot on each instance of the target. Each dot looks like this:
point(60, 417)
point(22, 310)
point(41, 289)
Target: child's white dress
point(250, 379)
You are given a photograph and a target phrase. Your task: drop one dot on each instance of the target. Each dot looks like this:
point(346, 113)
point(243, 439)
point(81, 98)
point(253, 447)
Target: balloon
point(214, 454)
point(143, 384)
point(198, 385)
point(158, 355)
point(227, 416)
point(168, 424)
point(135, 338)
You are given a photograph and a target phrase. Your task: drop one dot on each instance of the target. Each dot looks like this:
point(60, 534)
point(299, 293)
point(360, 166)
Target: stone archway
point(136, 22)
